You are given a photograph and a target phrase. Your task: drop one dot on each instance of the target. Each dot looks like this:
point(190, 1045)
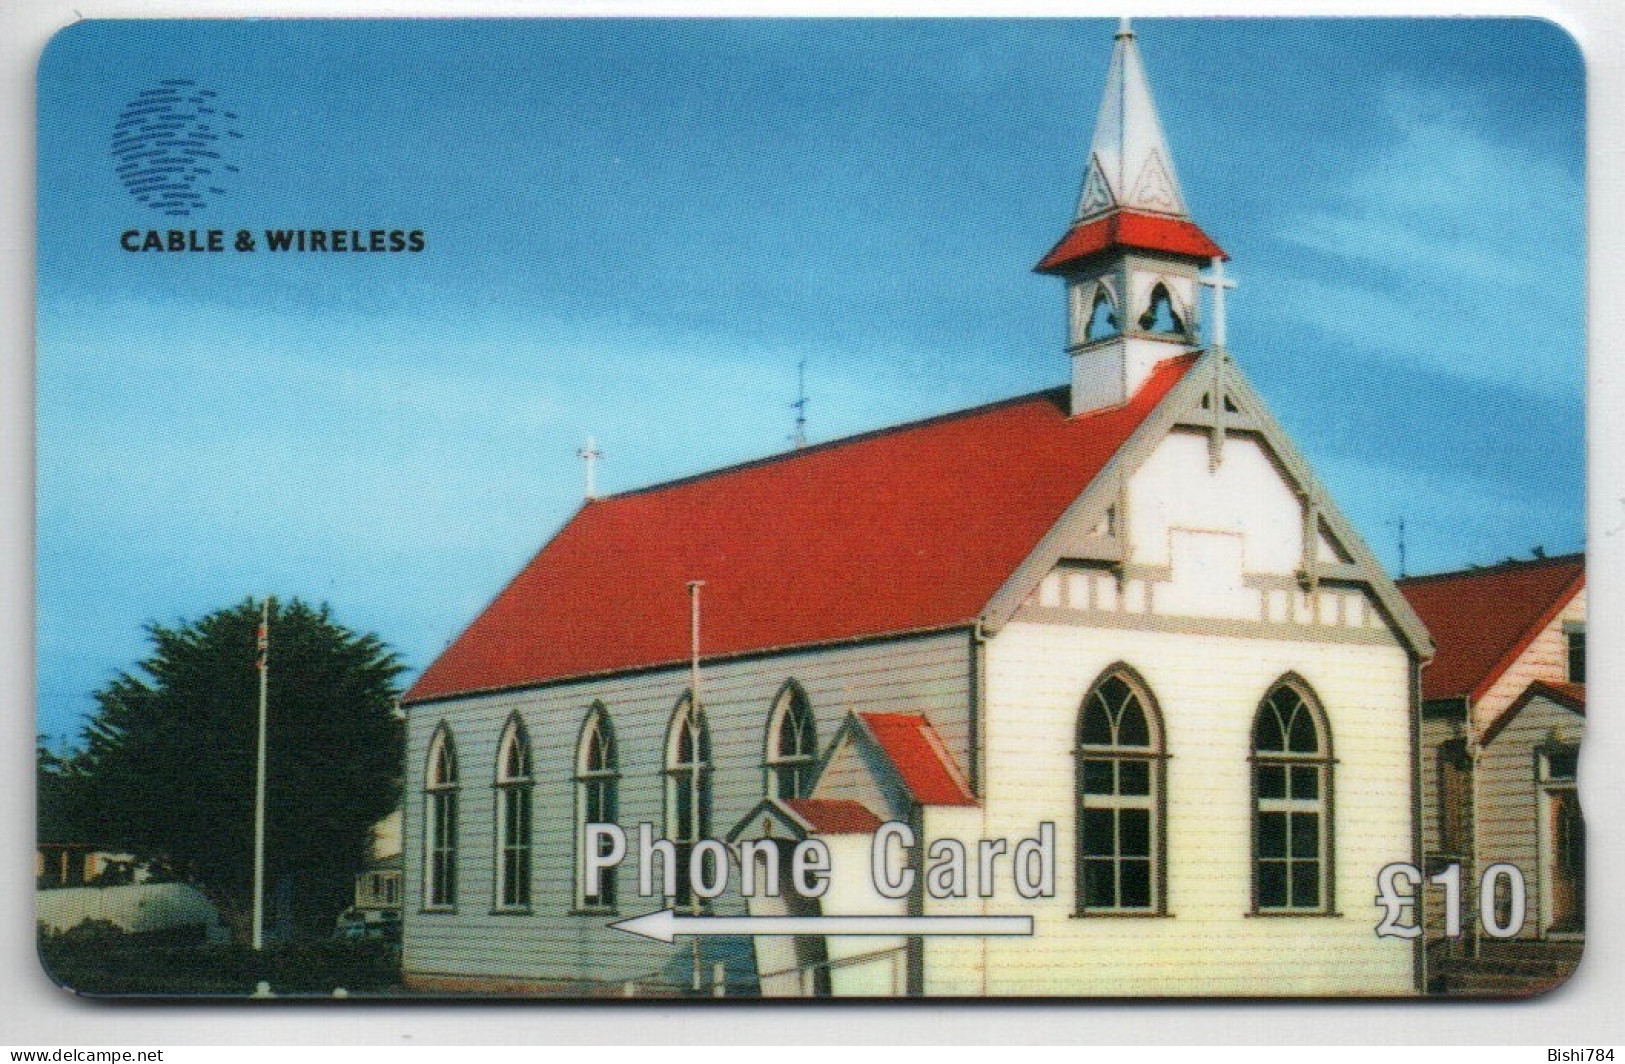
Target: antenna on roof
point(799, 439)
point(1400, 523)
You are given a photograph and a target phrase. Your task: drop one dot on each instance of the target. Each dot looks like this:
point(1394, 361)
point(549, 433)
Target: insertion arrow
point(666, 925)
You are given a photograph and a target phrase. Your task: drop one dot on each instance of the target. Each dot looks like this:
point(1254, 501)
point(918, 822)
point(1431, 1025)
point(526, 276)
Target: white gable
point(1177, 491)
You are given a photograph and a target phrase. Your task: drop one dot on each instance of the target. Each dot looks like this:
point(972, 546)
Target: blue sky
point(637, 229)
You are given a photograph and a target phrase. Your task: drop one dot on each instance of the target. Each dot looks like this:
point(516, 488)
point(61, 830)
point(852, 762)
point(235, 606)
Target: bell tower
point(1131, 258)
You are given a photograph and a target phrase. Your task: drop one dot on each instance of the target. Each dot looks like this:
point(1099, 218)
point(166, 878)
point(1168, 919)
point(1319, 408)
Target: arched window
point(792, 744)
point(688, 789)
point(513, 817)
point(440, 823)
point(1160, 315)
point(1120, 797)
point(1292, 801)
point(597, 802)
point(1102, 317)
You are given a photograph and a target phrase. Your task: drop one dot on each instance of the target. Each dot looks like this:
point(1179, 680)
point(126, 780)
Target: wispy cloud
point(1456, 249)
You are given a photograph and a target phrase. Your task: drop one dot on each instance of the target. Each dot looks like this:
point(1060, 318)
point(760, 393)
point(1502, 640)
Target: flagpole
point(694, 723)
point(263, 642)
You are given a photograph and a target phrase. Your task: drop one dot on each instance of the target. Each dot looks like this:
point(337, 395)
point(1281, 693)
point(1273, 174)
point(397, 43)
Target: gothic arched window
point(598, 782)
point(514, 784)
point(792, 744)
point(1160, 315)
point(1292, 801)
point(1120, 756)
point(688, 789)
point(440, 823)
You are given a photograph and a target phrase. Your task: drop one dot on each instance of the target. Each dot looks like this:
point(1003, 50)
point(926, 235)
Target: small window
point(1292, 783)
point(1560, 763)
point(792, 745)
point(440, 823)
point(1577, 654)
point(514, 786)
point(597, 802)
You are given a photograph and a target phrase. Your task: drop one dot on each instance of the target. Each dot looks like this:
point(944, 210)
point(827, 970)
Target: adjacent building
point(1503, 714)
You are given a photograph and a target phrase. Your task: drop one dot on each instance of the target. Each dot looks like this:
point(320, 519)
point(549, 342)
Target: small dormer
point(1130, 260)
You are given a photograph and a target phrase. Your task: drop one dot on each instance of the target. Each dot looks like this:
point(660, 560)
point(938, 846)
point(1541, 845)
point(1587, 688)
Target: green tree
point(168, 763)
point(60, 795)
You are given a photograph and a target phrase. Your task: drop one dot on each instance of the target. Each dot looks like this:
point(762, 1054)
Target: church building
point(1101, 671)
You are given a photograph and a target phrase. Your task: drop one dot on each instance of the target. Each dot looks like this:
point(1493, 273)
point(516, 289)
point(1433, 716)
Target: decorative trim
point(1221, 626)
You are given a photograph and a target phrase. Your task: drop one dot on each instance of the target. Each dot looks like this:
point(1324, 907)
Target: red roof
point(917, 753)
point(834, 816)
point(1129, 229)
point(908, 529)
point(1482, 619)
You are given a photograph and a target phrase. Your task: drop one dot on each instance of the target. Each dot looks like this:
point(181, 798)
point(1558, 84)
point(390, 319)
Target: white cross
point(590, 455)
point(1216, 280)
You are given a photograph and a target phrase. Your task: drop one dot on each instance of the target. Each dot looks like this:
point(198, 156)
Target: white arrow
point(665, 925)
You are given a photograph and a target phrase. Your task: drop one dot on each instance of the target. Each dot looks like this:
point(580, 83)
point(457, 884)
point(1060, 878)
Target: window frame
point(1323, 761)
point(441, 784)
point(694, 778)
point(790, 704)
point(1154, 755)
point(514, 791)
point(1574, 649)
point(595, 784)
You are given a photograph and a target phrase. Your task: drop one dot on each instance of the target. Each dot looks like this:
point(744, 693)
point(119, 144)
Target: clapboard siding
point(1510, 812)
point(924, 674)
point(1208, 688)
point(1436, 731)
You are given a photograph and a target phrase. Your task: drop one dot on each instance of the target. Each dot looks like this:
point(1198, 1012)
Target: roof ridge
point(1499, 567)
point(1059, 392)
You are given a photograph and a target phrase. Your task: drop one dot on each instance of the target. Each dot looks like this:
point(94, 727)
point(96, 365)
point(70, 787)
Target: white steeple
point(1129, 162)
point(1132, 258)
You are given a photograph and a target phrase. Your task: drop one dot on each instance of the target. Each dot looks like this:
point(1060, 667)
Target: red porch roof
point(835, 816)
point(1482, 619)
point(908, 529)
point(917, 753)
